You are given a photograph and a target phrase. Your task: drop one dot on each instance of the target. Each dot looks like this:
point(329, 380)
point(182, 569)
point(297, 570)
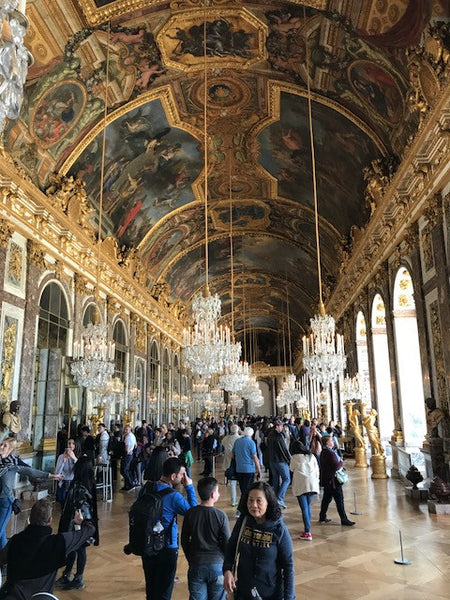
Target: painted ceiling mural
point(148, 63)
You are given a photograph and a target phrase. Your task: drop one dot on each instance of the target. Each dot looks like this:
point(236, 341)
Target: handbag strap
point(241, 531)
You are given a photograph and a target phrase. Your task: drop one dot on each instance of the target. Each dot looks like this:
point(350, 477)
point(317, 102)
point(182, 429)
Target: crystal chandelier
point(207, 346)
point(350, 388)
point(236, 401)
point(235, 377)
point(14, 58)
point(323, 350)
point(93, 364)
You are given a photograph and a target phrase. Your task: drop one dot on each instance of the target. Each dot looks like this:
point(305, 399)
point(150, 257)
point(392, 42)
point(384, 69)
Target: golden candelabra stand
point(128, 416)
point(378, 458)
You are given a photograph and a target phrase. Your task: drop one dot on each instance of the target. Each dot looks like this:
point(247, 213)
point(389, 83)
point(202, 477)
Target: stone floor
point(340, 563)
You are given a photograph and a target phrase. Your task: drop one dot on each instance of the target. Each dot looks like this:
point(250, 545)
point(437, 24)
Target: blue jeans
point(5, 513)
point(206, 582)
point(281, 479)
point(305, 504)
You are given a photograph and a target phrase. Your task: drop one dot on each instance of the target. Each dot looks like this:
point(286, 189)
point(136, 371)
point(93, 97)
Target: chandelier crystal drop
point(236, 401)
point(323, 350)
point(14, 58)
point(93, 364)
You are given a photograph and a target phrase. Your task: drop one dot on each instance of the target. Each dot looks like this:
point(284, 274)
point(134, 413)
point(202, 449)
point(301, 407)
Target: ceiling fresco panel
point(149, 170)
point(341, 150)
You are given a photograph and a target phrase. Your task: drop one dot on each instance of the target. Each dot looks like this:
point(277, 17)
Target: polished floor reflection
point(346, 563)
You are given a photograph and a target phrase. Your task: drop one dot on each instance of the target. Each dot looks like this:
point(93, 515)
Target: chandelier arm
point(231, 248)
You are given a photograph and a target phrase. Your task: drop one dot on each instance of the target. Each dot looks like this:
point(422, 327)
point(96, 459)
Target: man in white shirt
point(130, 443)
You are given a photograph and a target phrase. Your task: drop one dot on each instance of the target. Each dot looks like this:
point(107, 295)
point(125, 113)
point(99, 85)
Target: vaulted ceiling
point(259, 56)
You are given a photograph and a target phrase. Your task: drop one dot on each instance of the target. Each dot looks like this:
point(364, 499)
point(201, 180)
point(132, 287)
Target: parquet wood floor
point(342, 563)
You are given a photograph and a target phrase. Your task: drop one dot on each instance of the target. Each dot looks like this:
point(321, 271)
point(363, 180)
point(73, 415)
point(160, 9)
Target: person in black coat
point(81, 496)
point(34, 555)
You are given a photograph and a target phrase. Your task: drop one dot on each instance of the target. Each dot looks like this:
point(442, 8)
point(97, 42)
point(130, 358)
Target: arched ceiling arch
point(258, 134)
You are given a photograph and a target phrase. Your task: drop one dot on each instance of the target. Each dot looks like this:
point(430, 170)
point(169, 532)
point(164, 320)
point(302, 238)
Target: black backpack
point(147, 535)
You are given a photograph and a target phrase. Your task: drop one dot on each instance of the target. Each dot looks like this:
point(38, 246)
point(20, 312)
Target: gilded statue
point(434, 417)
point(9, 348)
point(372, 431)
point(11, 418)
point(355, 427)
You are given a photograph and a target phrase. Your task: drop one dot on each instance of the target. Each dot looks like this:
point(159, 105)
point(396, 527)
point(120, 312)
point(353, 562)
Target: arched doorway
point(52, 371)
point(409, 368)
point(382, 369)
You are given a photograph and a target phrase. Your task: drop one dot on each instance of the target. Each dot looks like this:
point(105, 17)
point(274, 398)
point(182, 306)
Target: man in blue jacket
point(160, 569)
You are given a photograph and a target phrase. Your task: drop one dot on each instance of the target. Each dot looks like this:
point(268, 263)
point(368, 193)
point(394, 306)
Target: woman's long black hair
point(273, 511)
point(83, 472)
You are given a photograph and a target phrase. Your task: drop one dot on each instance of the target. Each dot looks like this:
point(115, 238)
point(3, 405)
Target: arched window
point(52, 372)
point(120, 355)
point(362, 355)
point(165, 385)
point(139, 385)
point(408, 360)
point(382, 368)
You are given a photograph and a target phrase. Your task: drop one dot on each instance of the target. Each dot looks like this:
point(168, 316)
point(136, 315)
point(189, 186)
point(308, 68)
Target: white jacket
point(305, 471)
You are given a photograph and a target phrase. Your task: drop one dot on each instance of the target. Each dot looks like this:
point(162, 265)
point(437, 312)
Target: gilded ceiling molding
point(403, 202)
point(168, 39)
point(95, 15)
point(5, 233)
point(433, 212)
point(164, 94)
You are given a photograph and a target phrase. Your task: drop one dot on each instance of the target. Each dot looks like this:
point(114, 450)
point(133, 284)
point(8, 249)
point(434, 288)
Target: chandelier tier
point(323, 351)
point(235, 377)
point(93, 364)
point(14, 58)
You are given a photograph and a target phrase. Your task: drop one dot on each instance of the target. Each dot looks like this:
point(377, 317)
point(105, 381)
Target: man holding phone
point(160, 569)
point(34, 555)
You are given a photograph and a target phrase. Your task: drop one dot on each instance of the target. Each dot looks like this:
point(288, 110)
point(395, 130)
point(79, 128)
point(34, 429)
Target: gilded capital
point(80, 284)
point(36, 255)
point(433, 212)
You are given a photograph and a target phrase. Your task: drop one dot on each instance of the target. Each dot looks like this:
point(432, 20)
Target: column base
point(378, 464)
point(361, 458)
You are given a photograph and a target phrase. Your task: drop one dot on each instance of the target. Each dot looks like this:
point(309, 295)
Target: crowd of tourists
point(262, 457)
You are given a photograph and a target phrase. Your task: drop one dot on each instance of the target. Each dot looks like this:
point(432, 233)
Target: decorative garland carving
point(378, 176)
point(438, 356)
point(80, 284)
point(36, 255)
point(71, 196)
point(5, 233)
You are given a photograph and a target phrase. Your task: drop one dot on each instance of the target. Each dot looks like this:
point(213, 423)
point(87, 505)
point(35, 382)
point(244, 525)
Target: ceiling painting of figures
point(149, 171)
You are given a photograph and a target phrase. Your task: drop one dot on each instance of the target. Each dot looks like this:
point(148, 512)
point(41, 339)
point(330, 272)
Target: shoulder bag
point(230, 472)
point(231, 595)
point(341, 476)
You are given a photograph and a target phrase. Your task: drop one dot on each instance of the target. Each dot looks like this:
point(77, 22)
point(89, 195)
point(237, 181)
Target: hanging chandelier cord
point(231, 249)
point(205, 144)
point(102, 167)
point(313, 166)
point(288, 324)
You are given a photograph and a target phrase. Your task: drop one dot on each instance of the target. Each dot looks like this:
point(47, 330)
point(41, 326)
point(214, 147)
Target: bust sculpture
point(11, 418)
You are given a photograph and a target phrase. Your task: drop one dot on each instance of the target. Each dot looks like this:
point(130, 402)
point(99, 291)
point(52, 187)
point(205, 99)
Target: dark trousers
point(208, 465)
point(81, 557)
point(245, 480)
point(328, 494)
point(125, 469)
point(159, 573)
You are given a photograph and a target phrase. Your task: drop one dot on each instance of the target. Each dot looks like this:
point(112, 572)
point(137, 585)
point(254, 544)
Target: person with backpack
point(159, 546)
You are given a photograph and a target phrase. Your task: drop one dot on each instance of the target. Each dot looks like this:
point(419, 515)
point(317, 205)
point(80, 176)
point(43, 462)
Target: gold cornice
point(95, 15)
point(423, 172)
point(164, 94)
